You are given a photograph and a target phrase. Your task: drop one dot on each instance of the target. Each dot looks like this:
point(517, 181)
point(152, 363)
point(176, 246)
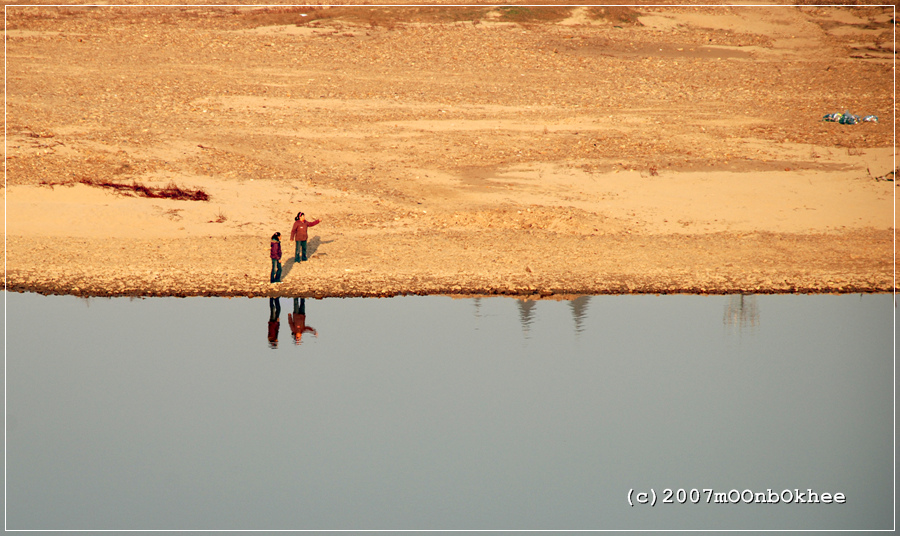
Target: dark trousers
point(300, 250)
point(276, 271)
point(274, 309)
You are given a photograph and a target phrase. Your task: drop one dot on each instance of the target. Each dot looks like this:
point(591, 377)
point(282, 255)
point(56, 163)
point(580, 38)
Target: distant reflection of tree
point(579, 311)
point(274, 323)
point(297, 320)
point(741, 312)
point(526, 314)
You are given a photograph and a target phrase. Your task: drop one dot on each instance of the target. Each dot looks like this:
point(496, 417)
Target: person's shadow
point(312, 246)
point(286, 268)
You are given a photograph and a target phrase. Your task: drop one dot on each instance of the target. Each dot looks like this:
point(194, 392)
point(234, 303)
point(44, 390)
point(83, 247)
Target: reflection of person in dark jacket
point(274, 324)
point(297, 320)
point(300, 236)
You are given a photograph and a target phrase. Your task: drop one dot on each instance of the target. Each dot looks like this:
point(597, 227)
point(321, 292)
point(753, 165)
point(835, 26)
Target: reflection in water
point(526, 314)
point(274, 324)
point(483, 432)
point(526, 307)
point(741, 312)
point(527, 311)
point(297, 320)
point(579, 311)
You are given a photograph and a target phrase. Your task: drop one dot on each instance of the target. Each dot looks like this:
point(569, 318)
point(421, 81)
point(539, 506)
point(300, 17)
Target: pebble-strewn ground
point(529, 151)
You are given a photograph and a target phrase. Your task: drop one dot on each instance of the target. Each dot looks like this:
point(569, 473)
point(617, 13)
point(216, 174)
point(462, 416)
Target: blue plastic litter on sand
point(847, 118)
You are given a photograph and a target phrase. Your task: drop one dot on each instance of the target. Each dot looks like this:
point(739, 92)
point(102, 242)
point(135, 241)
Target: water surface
point(439, 413)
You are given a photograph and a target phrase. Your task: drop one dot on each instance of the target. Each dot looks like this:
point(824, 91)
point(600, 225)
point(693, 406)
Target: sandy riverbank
point(665, 150)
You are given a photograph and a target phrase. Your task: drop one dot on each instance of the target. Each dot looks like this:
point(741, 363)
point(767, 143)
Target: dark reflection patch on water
point(742, 312)
point(439, 413)
point(579, 308)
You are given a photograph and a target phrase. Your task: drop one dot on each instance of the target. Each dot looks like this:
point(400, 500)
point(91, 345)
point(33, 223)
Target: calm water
point(435, 413)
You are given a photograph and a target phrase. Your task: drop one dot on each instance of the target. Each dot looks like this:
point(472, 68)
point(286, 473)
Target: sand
point(663, 150)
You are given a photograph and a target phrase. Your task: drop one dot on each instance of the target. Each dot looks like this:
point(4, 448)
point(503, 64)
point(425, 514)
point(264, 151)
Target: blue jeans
point(276, 272)
point(300, 246)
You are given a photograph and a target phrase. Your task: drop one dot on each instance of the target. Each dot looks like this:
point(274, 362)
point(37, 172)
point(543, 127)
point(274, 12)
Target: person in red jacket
point(275, 255)
point(300, 236)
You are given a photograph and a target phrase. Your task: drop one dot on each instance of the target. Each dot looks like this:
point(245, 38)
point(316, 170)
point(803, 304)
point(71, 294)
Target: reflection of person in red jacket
point(274, 324)
point(298, 320)
point(300, 236)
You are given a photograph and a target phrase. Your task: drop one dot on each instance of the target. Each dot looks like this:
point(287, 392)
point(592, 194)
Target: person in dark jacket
point(300, 236)
point(275, 254)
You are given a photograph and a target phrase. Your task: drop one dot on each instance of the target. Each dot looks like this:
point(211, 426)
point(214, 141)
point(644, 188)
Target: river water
point(440, 413)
